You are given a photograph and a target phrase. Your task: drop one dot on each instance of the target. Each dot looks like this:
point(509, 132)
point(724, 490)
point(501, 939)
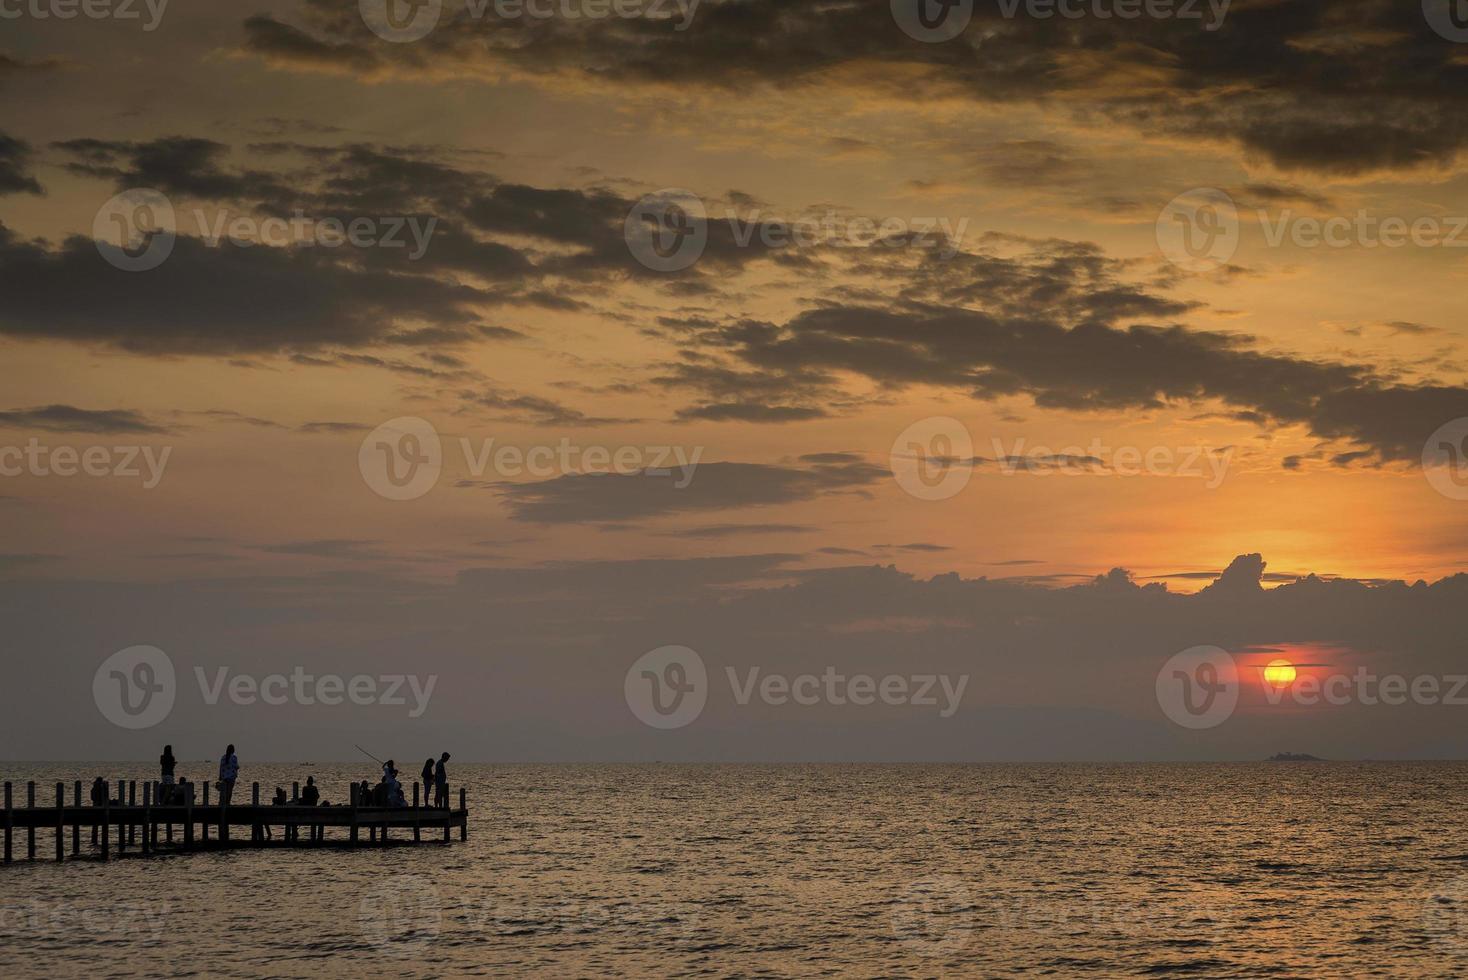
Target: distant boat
point(1294, 757)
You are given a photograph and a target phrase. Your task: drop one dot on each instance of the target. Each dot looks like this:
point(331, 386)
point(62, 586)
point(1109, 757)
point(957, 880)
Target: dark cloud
point(736, 530)
point(1340, 87)
point(176, 166)
point(583, 498)
point(213, 300)
point(1096, 366)
point(67, 418)
point(15, 177)
point(344, 548)
point(529, 409)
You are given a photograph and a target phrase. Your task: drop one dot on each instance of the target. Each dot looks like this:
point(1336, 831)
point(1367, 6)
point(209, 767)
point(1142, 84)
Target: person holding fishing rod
point(390, 789)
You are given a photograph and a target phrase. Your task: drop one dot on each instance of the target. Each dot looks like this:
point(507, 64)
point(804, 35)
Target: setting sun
point(1280, 673)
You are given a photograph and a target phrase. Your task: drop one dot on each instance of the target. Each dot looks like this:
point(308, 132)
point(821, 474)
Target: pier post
point(30, 830)
point(204, 824)
point(9, 822)
point(60, 821)
point(106, 823)
point(132, 801)
point(172, 801)
point(415, 810)
point(147, 815)
point(255, 834)
point(121, 801)
point(463, 809)
point(448, 822)
point(76, 828)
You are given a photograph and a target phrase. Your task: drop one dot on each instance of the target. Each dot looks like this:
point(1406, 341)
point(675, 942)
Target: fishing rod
point(368, 754)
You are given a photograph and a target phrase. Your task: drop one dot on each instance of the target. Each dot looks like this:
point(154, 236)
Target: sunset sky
point(1050, 321)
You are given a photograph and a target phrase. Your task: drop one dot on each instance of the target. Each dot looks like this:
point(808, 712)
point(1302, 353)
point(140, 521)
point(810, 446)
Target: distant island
point(1294, 757)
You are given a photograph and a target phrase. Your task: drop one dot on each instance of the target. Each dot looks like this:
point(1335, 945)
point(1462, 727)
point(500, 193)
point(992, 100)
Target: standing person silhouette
point(229, 770)
point(441, 783)
point(427, 782)
point(166, 765)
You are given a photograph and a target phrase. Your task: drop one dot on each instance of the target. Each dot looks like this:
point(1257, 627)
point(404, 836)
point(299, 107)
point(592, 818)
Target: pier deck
point(145, 827)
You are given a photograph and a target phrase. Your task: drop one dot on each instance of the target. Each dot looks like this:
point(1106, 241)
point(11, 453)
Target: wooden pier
point(142, 826)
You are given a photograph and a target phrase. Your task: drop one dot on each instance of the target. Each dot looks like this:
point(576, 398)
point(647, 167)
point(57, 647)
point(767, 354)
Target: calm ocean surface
point(1269, 869)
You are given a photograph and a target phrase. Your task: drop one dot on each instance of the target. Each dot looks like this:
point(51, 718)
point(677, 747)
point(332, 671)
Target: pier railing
point(148, 826)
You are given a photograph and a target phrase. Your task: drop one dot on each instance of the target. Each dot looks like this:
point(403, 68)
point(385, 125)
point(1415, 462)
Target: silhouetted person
point(427, 782)
point(310, 795)
point(229, 770)
point(99, 798)
point(364, 794)
point(391, 789)
point(166, 764)
point(441, 783)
